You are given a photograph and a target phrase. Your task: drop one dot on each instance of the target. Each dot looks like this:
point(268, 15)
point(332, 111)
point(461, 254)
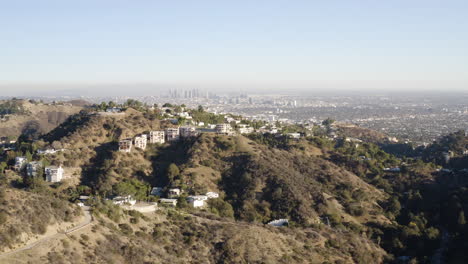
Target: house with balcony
point(157, 137)
point(20, 162)
point(188, 131)
point(125, 145)
point(172, 134)
point(140, 141)
point(54, 173)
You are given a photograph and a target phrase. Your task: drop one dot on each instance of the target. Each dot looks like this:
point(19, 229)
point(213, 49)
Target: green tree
point(172, 173)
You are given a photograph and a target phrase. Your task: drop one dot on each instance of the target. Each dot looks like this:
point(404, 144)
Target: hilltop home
point(125, 145)
point(173, 192)
point(54, 173)
point(121, 200)
point(140, 142)
point(157, 137)
point(224, 129)
point(114, 110)
point(172, 134)
point(46, 151)
point(294, 135)
point(188, 131)
point(212, 195)
point(245, 129)
point(168, 202)
point(19, 163)
point(32, 168)
point(197, 200)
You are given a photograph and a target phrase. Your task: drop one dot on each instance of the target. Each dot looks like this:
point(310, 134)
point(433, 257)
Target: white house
point(32, 168)
point(114, 110)
point(168, 202)
point(294, 135)
point(225, 129)
point(46, 151)
point(187, 131)
point(197, 200)
point(245, 129)
point(140, 142)
point(157, 137)
point(125, 145)
point(212, 195)
point(19, 163)
point(174, 192)
point(54, 173)
point(121, 200)
point(172, 134)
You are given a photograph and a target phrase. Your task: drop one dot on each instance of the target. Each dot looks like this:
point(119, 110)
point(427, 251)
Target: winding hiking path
point(87, 221)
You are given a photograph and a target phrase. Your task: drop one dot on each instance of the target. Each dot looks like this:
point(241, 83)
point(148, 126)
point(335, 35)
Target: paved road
point(88, 219)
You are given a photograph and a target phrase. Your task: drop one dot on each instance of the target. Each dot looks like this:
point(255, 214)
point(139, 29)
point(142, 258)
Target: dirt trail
point(88, 220)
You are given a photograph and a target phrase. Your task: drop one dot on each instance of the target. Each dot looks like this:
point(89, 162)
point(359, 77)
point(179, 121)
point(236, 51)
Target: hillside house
point(140, 142)
point(212, 195)
point(19, 163)
point(157, 137)
point(224, 129)
point(125, 145)
point(294, 135)
point(173, 192)
point(114, 110)
point(197, 200)
point(245, 129)
point(33, 168)
point(172, 134)
point(188, 131)
point(168, 202)
point(54, 173)
point(121, 200)
point(46, 151)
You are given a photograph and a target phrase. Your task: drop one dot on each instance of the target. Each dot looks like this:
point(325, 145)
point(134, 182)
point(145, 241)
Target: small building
point(19, 163)
point(46, 151)
point(114, 110)
point(396, 169)
point(245, 129)
point(157, 137)
point(212, 195)
point(172, 134)
point(168, 202)
point(197, 200)
point(125, 145)
point(122, 200)
point(293, 135)
point(33, 168)
point(140, 142)
point(157, 191)
point(188, 131)
point(173, 192)
point(224, 129)
point(54, 173)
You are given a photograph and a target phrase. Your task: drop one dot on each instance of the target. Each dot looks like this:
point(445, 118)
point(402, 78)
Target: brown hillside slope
point(41, 117)
point(264, 183)
point(168, 236)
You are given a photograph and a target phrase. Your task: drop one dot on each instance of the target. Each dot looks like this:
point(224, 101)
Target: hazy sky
point(323, 44)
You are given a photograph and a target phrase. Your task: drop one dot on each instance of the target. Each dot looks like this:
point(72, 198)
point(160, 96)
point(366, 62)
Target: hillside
point(34, 118)
point(342, 202)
